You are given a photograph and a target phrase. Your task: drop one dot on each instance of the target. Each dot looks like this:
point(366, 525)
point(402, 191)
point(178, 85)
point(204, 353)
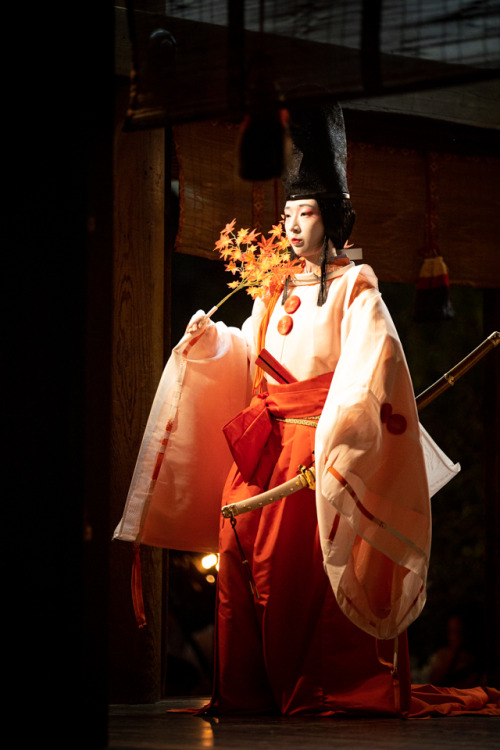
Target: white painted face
point(305, 229)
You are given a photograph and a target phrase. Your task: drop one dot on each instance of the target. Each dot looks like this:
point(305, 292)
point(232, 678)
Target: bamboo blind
point(389, 189)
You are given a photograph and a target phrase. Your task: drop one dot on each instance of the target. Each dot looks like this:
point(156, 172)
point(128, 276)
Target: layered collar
point(336, 267)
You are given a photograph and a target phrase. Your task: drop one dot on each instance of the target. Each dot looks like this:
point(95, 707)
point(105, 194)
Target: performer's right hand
point(198, 323)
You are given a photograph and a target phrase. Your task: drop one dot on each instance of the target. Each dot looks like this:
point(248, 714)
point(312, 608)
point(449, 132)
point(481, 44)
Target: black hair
point(338, 218)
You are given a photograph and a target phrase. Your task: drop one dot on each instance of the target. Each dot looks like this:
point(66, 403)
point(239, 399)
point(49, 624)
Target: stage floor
point(153, 727)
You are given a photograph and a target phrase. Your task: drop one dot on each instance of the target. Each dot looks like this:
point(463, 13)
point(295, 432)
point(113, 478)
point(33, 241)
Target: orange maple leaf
point(228, 228)
point(263, 266)
point(241, 236)
point(276, 230)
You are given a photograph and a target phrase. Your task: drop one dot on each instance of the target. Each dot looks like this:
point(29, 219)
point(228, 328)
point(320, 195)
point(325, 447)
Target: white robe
point(372, 484)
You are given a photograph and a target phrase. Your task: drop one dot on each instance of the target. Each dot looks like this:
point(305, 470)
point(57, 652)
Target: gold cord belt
point(308, 421)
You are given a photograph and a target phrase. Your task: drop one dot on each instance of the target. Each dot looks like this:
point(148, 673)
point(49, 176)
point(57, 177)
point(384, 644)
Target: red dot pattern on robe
point(385, 412)
point(292, 304)
point(396, 423)
point(285, 325)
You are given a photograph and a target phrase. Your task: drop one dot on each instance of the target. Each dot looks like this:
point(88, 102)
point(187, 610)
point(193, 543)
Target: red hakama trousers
point(291, 650)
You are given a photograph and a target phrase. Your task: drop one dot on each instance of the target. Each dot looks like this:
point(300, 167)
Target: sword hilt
point(305, 478)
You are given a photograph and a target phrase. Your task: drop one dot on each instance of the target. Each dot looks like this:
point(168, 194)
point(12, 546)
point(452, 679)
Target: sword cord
point(244, 561)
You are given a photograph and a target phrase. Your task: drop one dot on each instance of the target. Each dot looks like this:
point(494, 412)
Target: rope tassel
point(136, 585)
point(433, 291)
point(432, 301)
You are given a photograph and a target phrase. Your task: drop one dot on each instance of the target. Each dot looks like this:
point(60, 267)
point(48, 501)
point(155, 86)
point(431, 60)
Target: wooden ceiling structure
point(424, 91)
point(206, 59)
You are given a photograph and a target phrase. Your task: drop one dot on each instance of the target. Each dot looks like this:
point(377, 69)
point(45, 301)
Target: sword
point(307, 477)
point(451, 377)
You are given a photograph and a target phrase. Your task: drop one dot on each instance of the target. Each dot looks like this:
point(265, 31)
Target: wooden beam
point(201, 72)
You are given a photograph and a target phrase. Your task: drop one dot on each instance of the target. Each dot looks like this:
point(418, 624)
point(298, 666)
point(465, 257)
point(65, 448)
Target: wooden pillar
point(135, 669)
point(491, 317)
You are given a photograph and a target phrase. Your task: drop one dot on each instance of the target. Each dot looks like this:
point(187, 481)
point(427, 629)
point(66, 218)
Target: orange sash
point(248, 433)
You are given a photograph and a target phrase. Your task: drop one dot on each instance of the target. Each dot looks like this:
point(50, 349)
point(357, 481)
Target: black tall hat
point(317, 164)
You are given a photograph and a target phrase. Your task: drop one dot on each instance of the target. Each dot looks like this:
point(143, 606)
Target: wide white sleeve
point(175, 493)
point(372, 490)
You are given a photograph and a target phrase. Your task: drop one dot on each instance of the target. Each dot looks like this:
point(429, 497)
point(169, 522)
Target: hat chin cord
point(323, 261)
point(323, 288)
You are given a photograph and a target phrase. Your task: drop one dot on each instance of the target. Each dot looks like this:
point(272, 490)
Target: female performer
point(315, 591)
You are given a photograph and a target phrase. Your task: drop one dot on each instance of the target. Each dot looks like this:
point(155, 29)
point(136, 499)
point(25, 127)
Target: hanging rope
point(244, 561)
